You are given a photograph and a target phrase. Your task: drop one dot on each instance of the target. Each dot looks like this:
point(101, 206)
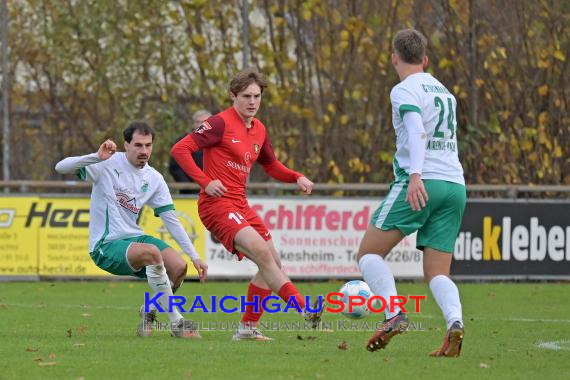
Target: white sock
point(446, 295)
point(379, 277)
point(151, 307)
point(159, 282)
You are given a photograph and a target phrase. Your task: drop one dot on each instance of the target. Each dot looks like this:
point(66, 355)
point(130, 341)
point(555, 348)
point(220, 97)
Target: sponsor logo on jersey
point(240, 167)
point(128, 203)
point(205, 126)
point(256, 148)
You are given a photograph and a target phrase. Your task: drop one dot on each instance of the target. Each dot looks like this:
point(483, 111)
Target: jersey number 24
point(450, 117)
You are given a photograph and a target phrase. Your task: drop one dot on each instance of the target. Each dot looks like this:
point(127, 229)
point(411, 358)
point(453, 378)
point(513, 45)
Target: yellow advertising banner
point(18, 242)
point(63, 225)
point(50, 236)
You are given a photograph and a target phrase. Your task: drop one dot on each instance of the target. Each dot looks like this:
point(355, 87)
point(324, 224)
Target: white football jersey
point(424, 94)
point(119, 193)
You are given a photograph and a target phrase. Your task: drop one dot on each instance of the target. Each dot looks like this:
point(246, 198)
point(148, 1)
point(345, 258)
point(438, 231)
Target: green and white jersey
point(424, 94)
point(119, 193)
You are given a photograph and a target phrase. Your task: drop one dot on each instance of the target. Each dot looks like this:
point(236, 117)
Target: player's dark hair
point(410, 45)
point(139, 126)
point(246, 77)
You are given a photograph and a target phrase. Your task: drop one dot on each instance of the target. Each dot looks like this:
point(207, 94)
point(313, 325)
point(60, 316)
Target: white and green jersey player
point(423, 114)
point(425, 95)
point(123, 183)
point(120, 190)
point(428, 195)
point(119, 193)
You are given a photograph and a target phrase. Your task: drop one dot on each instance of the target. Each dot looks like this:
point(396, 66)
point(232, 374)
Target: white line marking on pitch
point(554, 345)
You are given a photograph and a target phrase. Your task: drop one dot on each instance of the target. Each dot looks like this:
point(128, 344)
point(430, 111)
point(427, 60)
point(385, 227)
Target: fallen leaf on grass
point(52, 356)
point(46, 364)
point(484, 365)
point(85, 314)
point(68, 331)
point(343, 345)
point(32, 349)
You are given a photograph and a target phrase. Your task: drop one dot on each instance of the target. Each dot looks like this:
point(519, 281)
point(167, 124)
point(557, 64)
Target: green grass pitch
point(86, 330)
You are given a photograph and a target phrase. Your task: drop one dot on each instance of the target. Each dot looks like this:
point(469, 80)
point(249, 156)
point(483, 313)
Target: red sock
point(289, 290)
point(250, 316)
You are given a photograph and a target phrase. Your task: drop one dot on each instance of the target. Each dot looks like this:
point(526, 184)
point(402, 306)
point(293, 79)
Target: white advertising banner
point(315, 238)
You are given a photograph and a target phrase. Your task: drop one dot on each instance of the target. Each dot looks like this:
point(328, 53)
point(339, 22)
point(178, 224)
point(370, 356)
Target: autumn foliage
point(80, 70)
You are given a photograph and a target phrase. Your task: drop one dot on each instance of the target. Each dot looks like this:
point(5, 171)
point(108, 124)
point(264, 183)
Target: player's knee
point(264, 256)
point(278, 262)
point(180, 270)
point(151, 255)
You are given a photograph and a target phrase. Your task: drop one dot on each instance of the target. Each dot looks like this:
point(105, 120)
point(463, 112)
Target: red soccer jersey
point(230, 150)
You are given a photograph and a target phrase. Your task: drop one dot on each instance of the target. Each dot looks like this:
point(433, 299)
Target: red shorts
point(224, 218)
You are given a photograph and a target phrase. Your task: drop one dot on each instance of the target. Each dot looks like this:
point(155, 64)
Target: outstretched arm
point(72, 164)
point(274, 168)
point(173, 225)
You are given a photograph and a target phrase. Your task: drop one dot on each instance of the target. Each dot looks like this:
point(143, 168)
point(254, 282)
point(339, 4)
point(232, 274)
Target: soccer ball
point(355, 288)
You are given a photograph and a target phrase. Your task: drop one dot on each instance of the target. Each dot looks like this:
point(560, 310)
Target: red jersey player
point(232, 141)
